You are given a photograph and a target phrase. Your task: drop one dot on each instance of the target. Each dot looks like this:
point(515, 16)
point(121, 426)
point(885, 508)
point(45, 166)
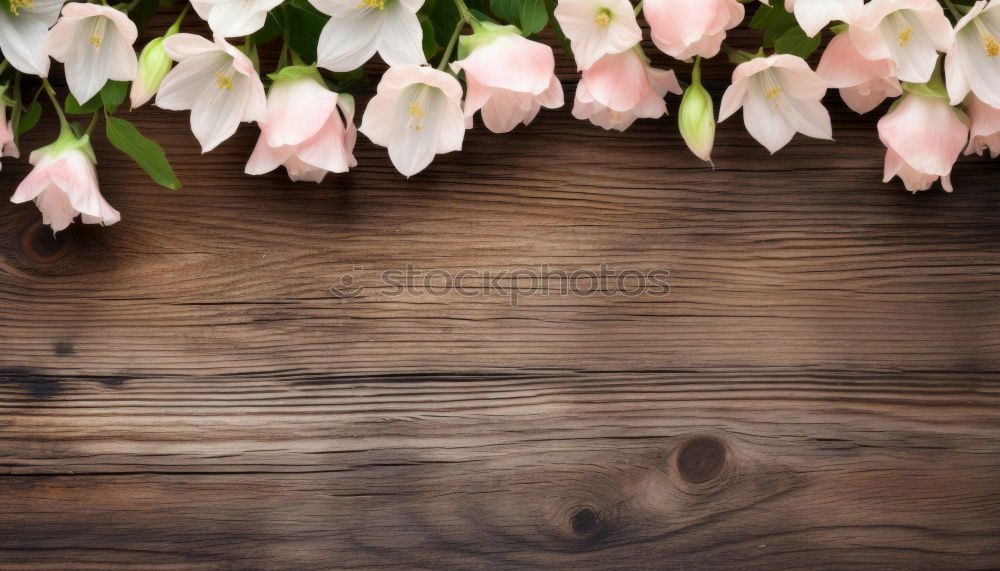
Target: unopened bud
point(696, 118)
point(154, 64)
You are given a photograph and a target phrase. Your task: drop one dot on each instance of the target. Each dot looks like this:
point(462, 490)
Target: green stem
point(451, 44)
point(93, 122)
point(954, 11)
point(176, 26)
point(736, 56)
point(638, 8)
point(3, 66)
point(63, 124)
point(467, 16)
point(696, 71)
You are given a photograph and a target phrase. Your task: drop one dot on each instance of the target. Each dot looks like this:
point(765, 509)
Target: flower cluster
point(449, 60)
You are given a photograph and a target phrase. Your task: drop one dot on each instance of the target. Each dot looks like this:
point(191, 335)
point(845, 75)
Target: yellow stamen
point(603, 18)
point(416, 110)
point(904, 36)
point(772, 93)
point(380, 4)
point(223, 81)
point(991, 45)
point(16, 5)
point(96, 40)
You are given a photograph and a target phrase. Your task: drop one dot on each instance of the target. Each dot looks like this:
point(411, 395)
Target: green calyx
point(483, 34)
point(297, 72)
point(69, 141)
point(935, 87)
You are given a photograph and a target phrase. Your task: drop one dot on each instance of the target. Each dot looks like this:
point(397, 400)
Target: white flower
point(416, 113)
point(95, 43)
point(780, 96)
point(217, 82)
point(909, 32)
point(230, 18)
point(973, 62)
point(23, 26)
point(813, 15)
point(359, 28)
point(63, 184)
point(598, 27)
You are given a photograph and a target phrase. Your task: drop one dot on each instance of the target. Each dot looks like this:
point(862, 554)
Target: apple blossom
point(985, 128)
point(621, 88)
point(909, 32)
point(217, 82)
point(687, 28)
point(63, 184)
point(863, 83)
point(231, 18)
point(973, 61)
point(780, 96)
point(304, 130)
point(359, 28)
point(416, 113)
point(95, 43)
point(696, 117)
point(598, 27)
point(23, 26)
point(509, 77)
point(924, 137)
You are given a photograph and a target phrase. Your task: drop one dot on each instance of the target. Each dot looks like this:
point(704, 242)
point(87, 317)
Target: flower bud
point(696, 118)
point(153, 67)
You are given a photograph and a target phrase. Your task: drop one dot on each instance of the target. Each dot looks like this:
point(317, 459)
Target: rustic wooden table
point(819, 388)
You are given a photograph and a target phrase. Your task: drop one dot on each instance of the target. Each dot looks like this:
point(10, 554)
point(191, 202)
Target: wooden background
point(820, 388)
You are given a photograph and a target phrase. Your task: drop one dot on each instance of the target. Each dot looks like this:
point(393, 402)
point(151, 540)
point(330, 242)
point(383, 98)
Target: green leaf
point(506, 10)
point(306, 23)
point(144, 152)
point(796, 42)
point(430, 44)
point(113, 93)
point(533, 16)
point(550, 6)
point(271, 30)
point(29, 119)
point(445, 17)
point(73, 106)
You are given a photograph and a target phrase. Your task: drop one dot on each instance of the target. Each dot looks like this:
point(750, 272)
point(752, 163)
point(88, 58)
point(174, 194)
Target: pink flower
point(687, 28)
point(973, 61)
point(509, 77)
point(780, 96)
point(621, 88)
point(985, 127)
point(416, 113)
point(924, 137)
point(304, 130)
point(863, 83)
point(63, 184)
point(598, 27)
point(909, 32)
point(7, 146)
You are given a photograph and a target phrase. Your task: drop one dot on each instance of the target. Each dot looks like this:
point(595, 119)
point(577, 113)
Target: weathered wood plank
point(604, 470)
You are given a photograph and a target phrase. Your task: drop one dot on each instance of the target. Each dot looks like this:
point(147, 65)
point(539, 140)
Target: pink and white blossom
point(621, 88)
point(359, 28)
point(230, 18)
point(684, 29)
point(973, 60)
point(63, 184)
point(596, 28)
point(924, 137)
point(217, 82)
point(8, 147)
point(95, 44)
point(416, 113)
point(780, 96)
point(985, 128)
point(908, 32)
point(814, 15)
point(509, 77)
point(305, 130)
point(863, 83)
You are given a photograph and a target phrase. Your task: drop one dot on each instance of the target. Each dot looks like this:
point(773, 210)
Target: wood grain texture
point(820, 388)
